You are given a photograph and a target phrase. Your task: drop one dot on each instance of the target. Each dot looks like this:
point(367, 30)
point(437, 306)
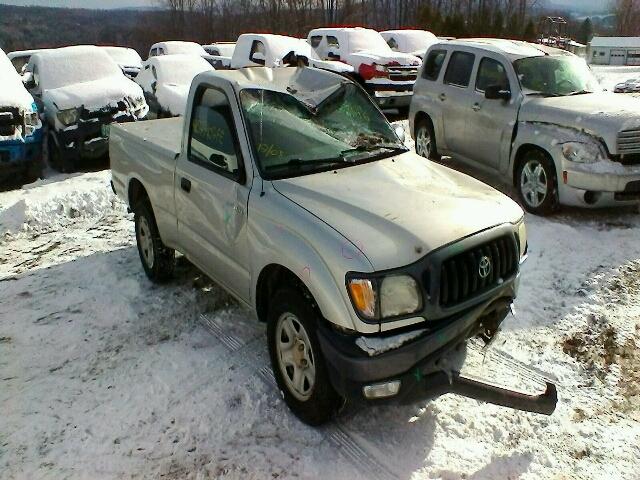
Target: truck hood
point(366, 56)
point(602, 115)
point(399, 209)
point(96, 94)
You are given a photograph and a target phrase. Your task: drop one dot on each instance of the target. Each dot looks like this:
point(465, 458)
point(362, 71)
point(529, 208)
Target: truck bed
point(164, 134)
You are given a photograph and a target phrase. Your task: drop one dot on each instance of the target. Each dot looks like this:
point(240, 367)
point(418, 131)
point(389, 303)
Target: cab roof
point(513, 49)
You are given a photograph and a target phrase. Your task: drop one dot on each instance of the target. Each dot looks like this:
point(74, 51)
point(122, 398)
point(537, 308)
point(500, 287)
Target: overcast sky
point(83, 3)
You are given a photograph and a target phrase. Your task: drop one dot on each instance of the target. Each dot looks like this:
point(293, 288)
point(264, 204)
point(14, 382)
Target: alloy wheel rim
point(295, 356)
point(145, 241)
point(423, 142)
point(534, 183)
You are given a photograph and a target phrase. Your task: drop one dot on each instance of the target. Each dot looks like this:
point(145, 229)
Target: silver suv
point(533, 115)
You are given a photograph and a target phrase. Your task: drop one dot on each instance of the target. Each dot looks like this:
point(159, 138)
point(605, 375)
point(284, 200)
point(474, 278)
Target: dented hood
point(601, 114)
point(399, 209)
point(96, 94)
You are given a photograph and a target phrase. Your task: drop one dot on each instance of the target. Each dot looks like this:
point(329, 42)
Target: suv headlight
point(68, 117)
point(384, 297)
point(581, 152)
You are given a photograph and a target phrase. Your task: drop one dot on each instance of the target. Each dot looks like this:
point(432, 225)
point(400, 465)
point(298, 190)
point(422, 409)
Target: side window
point(491, 73)
point(459, 69)
point(433, 64)
point(332, 42)
point(315, 41)
point(212, 139)
point(258, 52)
point(393, 43)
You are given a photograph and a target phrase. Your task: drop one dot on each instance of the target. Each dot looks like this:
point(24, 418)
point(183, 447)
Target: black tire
point(57, 159)
point(34, 172)
point(424, 129)
point(323, 402)
point(157, 259)
point(534, 169)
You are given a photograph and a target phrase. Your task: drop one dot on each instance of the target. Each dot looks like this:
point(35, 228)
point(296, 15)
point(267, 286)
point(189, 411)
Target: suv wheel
point(157, 260)
point(425, 140)
point(537, 183)
point(297, 360)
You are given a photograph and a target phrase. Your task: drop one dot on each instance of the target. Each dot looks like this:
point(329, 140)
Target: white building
point(614, 51)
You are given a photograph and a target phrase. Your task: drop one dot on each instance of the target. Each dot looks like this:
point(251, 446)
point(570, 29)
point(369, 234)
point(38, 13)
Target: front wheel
point(537, 183)
point(157, 260)
point(297, 360)
point(426, 140)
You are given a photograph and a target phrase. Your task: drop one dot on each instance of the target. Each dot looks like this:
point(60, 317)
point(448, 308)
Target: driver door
point(212, 192)
point(490, 123)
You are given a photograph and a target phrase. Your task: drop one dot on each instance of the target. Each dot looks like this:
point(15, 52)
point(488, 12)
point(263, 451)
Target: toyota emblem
point(484, 269)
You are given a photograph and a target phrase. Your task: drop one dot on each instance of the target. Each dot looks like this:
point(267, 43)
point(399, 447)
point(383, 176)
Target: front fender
point(545, 136)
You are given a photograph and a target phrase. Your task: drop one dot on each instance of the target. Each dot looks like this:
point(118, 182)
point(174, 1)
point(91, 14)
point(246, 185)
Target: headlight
point(522, 238)
point(583, 152)
point(68, 117)
point(398, 295)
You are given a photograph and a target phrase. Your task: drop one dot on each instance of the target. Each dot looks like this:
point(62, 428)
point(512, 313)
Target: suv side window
point(459, 69)
point(332, 42)
point(315, 41)
point(393, 43)
point(490, 73)
point(433, 64)
point(257, 47)
point(213, 143)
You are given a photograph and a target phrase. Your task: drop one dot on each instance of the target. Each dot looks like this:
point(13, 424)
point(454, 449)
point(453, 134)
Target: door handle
point(476, 107)
point(442, 97)
point(185, 184)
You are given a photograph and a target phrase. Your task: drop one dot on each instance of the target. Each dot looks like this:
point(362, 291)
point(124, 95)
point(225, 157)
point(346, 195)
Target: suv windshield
point(555, 76)
point(291, 137)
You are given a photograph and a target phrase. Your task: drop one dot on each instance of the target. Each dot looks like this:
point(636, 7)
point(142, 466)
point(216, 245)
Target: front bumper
point(17, 156)
point(426, 367)
point(584, 188)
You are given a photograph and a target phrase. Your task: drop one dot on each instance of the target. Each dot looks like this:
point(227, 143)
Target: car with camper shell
point(532, 116)
point(290, 188)
point(81, 91)
point(414, 42)
point(20, 128)
point(166, 81)
point(127, 59)
point(176, 47)
point(386, 75)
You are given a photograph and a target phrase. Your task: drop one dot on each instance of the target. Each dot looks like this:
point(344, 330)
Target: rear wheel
point(157, 260)
point(537, 183)
point(426, 140)
point(297, 360)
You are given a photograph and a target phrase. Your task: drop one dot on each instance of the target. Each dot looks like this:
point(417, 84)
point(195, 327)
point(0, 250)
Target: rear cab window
point(459, 70)
point(433, 64)
point(491, 73)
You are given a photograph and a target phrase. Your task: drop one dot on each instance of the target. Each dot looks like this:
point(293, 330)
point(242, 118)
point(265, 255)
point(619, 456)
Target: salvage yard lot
point(104, 375)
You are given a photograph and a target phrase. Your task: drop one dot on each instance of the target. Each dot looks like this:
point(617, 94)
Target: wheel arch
point(135, 192)
point(520, 154)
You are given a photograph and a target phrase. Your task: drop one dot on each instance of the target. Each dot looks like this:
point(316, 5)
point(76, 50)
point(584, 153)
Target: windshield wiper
point(579, 92)
point(297, 163)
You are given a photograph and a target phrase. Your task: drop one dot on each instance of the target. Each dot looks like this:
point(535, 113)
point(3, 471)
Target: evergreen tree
point(585, 34)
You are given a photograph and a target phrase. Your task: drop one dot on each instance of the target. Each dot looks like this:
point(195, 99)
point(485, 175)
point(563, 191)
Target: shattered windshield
point(292, 137)
point(555, 76)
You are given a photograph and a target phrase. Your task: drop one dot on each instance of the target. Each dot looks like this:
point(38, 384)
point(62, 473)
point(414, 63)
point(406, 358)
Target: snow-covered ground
point(609, 76)
point(104, 375)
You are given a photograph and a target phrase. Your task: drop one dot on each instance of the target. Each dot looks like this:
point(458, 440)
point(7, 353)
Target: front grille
point(10, 120)
point(629, 142)
point(403, 73)
point(628, 159)
point(460, 276)
point(105, 113)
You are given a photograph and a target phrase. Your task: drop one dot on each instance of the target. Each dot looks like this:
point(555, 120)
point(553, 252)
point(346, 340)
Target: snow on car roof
point(12, 92)
point(514, 49)
point(77, 64)
point(124, 56)
point(409, 32)
point(24, 53)
point(174, 47)
point(178, 69)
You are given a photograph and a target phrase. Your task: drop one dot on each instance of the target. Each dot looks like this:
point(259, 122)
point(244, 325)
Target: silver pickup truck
point(370, 265)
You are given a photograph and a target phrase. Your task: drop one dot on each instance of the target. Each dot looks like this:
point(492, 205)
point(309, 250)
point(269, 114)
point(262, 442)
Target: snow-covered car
point(386, 75)
point(630, 86)
point(20, 127)
point(220, 49)
point(176, 48)
point(127, 59)
point(166, 80)
point(532, 115)
point(415, 42)
point(82, 91)
point(370, 266)
point(21, 58)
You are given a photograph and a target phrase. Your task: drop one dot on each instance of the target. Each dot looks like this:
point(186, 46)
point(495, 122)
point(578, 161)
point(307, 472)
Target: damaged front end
point(20, 141)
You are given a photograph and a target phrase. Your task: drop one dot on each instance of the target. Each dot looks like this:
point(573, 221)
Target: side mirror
point(219, 161)
point(400, 133)
point(497, 92)
point(28, 80)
